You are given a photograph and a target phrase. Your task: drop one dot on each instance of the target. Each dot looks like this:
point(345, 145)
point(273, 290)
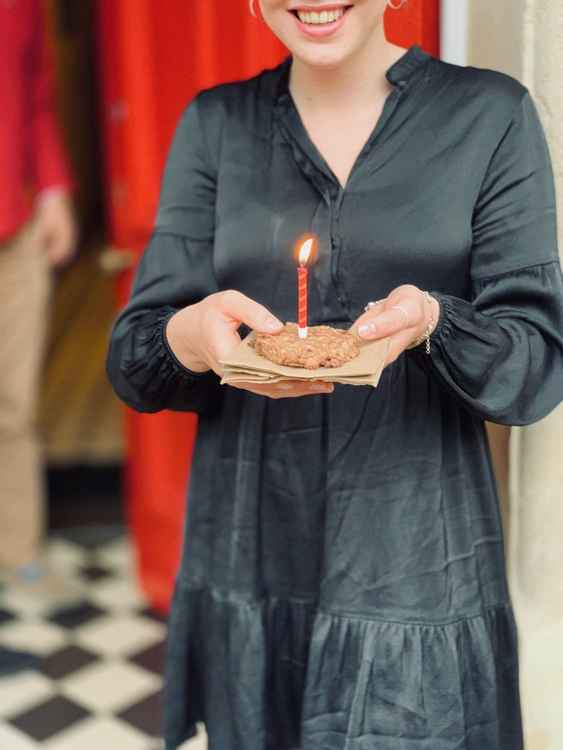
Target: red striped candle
point(302, 274)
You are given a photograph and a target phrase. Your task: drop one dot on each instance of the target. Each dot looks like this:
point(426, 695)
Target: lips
point(320, 21)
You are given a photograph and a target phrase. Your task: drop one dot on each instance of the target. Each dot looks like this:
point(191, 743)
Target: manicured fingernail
point(272, 323)
point(367, 329)
point(284, 386)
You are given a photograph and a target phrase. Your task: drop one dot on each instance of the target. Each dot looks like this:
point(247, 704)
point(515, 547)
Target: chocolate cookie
point(323, 347)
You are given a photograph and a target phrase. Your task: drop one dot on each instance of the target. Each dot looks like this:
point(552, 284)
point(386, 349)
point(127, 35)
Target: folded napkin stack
point(245, 365)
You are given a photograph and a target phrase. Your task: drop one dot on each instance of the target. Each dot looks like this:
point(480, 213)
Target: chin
point(319, 58)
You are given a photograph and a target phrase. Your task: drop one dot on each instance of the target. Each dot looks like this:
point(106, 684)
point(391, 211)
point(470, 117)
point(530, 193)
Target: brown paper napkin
point(244, 364)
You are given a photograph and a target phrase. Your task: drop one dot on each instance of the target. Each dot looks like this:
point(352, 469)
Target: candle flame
point(305, 251)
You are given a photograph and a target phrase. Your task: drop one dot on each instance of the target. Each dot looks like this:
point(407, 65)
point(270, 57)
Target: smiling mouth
point(321, 17)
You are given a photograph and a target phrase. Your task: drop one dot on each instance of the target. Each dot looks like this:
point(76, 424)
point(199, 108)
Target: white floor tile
point(196, 743)
point(117, 594)
point(24, 605)
point(39, 637)
point(35, 600)
point(94, 734)
point(21, 691)
point(119, 554)
point(120, 634)
point(11, 739)
point(64, 555)
point(110, 686)
point(104, 687)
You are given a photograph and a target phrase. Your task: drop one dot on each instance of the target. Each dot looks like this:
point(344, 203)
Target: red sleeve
point(50, 161)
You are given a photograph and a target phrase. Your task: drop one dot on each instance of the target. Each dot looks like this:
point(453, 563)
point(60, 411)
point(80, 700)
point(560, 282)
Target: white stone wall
point(496, 35)
point(525, 39)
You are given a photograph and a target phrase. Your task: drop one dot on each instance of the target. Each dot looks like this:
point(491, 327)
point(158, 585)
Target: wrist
point(177, 336)
point(431, 317)
point(436, 311)
point(47, 195)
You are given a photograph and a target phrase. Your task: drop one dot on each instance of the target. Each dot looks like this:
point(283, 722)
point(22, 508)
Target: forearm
point(501, 355)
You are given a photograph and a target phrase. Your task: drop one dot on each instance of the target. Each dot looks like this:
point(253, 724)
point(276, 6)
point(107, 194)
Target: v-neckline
point(397, 74)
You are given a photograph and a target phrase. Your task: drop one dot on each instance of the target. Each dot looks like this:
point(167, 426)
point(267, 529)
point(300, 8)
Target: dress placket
point(325, 224)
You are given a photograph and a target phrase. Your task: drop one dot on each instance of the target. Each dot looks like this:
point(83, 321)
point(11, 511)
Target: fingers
point(398, 342)
point(235, 308)
point(243, 309)
point(58, 242)
point(57, 229)
point(218, 341)
point(398, 312)
point(367, 318)
point(60, 253)
point(286, 389)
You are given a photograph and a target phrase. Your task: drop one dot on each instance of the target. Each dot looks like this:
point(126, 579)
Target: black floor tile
point(47, 719)
point(151, 659)
point(95, 572)
point(145, 715)
point(15, 661)
point(66, 661)
point(154, 615)
point(75, 615)
point(6, 616)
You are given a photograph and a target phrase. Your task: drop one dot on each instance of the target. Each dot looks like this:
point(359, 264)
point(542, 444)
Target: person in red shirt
point(37, 231)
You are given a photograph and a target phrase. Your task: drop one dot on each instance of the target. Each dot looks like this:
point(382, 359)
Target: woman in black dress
point(343, 582)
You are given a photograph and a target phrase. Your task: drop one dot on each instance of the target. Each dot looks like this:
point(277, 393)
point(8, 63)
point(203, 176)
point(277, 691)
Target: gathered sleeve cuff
point(174, 271)
point(501, 354)
point(149, 377)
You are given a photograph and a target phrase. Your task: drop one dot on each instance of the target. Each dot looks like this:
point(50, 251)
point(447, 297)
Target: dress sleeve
point(175, 270)
point(501, 352)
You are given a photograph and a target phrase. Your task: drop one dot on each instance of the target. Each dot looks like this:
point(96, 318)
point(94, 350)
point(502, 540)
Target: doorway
point(79, 418)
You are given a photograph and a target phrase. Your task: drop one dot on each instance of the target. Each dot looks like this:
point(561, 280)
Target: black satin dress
point(343, 582)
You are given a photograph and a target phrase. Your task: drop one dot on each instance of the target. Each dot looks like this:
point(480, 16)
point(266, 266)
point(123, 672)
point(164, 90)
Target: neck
point(351, 83)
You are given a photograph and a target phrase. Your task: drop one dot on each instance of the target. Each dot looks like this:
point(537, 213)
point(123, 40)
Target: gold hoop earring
point(396, 7)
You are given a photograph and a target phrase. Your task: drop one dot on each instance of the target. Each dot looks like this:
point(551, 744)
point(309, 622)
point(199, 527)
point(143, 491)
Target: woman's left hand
point(402, 326)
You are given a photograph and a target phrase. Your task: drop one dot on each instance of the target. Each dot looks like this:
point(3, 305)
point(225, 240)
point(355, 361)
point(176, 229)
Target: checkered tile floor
point(101, 652)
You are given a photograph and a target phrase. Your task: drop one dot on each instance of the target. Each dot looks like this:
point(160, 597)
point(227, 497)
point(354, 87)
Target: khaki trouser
point(25, 284)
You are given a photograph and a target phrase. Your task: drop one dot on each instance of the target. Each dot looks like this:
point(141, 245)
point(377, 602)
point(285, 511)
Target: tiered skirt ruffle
point(280, 674)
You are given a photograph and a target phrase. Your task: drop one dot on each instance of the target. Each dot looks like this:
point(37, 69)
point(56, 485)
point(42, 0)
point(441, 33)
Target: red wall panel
point(153, 58)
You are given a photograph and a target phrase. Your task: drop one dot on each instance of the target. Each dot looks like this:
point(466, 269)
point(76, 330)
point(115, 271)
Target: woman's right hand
point(202, 334)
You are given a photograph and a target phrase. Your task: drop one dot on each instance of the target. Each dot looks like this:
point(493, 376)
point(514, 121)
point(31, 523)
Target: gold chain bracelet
point(429, 328)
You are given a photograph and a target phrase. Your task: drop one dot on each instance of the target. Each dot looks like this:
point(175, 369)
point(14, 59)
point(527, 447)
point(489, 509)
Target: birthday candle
point(302, 278)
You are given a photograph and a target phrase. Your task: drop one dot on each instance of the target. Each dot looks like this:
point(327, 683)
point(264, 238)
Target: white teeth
point(325, 16)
